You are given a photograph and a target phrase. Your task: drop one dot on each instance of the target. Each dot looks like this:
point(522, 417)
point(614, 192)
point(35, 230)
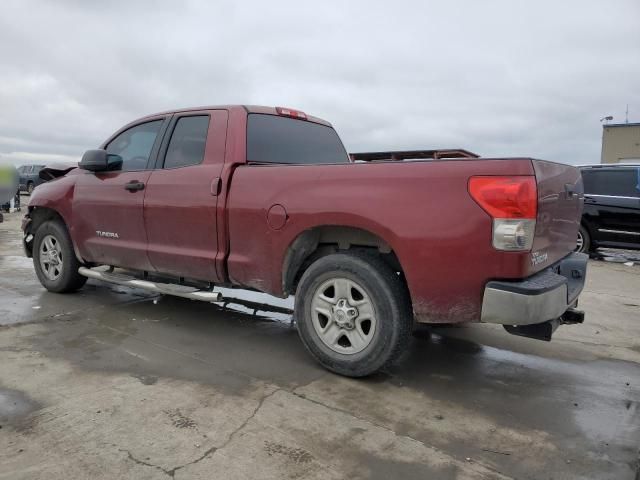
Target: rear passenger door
point(612, 204)
point(180, 205)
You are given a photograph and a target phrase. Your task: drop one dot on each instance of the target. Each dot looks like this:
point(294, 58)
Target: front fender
point(51, 200)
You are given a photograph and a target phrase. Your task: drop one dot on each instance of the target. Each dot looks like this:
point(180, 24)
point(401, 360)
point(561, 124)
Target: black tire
point(586, 240)
point(69, 280)
point(30, 188)
point(386, 293)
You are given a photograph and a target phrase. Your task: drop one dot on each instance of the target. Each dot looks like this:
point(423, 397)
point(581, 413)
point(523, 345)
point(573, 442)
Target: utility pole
point(626, 116)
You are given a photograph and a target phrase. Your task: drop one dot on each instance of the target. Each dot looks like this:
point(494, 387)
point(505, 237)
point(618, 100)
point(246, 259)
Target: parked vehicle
point(611, 216)
point(29, 177)
point(267, 199)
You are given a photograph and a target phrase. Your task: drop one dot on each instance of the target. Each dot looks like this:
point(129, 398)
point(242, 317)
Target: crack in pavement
point(172, 472)
point(146, 464)
point(396, 434)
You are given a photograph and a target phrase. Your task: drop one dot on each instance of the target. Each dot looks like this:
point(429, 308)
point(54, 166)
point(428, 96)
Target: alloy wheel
point(343, 315)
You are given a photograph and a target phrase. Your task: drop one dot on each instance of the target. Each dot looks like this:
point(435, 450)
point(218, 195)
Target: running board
point(184, 291)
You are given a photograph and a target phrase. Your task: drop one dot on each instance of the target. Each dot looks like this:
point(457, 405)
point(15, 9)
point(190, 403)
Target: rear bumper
point(542, 297)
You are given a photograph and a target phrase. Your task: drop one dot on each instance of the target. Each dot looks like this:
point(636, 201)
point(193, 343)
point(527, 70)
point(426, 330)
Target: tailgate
point(560, 199)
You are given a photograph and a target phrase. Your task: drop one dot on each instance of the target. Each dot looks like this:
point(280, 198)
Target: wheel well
point(318, 242)
point(588, 227)
point(38, 216)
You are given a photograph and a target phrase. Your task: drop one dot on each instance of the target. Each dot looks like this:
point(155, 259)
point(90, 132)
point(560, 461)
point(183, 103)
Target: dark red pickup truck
point(268, 199)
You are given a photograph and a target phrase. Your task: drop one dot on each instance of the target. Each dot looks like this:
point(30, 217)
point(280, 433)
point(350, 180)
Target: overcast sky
point(500, 78)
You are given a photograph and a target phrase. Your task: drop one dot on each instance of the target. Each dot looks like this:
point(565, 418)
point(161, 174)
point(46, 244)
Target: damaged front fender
point(27, 236)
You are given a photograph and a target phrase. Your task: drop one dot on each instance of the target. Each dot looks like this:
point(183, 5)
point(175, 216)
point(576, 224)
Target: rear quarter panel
point(422, 210)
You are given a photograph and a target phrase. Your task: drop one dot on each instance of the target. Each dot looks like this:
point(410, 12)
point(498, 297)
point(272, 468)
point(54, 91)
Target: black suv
point(611, 216)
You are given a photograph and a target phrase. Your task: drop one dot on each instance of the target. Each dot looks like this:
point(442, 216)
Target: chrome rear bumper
point(542, 297)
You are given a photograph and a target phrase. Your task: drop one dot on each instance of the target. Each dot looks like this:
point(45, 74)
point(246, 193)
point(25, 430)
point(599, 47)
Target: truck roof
point(248, 108)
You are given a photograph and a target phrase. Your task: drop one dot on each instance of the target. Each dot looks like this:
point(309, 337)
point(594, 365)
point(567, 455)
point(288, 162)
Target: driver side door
point(108, 206)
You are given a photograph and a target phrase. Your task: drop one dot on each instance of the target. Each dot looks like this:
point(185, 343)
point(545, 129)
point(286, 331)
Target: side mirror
point(100, 161)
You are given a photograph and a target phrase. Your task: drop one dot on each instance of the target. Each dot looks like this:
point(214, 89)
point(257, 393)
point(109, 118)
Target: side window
point(618, 183)
point(134, 145)
point(188, 141)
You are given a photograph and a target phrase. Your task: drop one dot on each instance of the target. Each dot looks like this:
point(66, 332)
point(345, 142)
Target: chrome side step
point(101, 273)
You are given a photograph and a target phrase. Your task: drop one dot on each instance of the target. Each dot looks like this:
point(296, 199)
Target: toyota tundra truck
point(188, 201)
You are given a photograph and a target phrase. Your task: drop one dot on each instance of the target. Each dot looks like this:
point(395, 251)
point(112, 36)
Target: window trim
point(154, 149)
point(171, 126)
point(599, 195)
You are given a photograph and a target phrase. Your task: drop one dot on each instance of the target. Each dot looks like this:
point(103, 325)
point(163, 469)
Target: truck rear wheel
point(54, 260)
point(353, 313)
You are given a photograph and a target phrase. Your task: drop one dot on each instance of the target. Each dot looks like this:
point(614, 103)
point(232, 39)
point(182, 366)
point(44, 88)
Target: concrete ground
point(106, 383)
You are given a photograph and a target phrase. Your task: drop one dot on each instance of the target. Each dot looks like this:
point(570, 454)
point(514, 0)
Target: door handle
point(134, 186)
point(588, 199)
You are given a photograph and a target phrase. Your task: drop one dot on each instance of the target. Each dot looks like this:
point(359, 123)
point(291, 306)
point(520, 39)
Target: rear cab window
point(273, 139)
point(622, 182)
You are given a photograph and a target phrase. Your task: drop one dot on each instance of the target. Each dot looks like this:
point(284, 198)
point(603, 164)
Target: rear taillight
point(290, 112)
point(512, 202)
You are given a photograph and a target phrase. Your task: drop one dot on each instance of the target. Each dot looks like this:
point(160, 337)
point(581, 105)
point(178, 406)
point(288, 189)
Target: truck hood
point(56, 170)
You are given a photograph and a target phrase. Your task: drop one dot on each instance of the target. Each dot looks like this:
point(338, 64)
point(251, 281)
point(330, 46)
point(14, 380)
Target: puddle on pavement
point(15, 261)
point(608, 423)
point(486, 353)
point(595, 397)
point(618, 256)
point(249, 302)
point(15, 405)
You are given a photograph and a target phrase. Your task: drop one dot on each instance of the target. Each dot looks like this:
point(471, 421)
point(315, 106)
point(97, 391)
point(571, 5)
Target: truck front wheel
point(353, 313)
point(54, 260)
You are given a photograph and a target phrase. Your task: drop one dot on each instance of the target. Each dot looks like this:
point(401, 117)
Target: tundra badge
point(538, 257)
point(107, 234)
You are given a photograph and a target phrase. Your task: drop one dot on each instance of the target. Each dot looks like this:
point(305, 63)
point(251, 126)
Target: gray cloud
point(498, 77)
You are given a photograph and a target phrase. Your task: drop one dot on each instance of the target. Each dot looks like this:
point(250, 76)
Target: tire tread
point(361, 263)
point(70, 280)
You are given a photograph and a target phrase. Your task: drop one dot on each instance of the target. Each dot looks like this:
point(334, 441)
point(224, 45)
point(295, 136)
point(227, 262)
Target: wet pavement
point(112, 383)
